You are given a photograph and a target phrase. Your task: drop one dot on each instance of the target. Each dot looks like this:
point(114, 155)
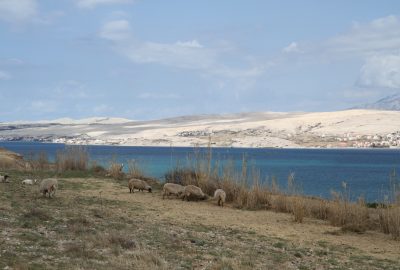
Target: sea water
point(367, 172)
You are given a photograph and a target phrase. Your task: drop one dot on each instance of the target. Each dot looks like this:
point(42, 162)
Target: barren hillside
point(351, 128)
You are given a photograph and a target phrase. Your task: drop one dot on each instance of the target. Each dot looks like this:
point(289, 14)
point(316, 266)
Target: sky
point(152, 59)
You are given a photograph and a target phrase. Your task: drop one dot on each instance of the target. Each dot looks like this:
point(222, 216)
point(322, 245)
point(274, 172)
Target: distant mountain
point(391, 103)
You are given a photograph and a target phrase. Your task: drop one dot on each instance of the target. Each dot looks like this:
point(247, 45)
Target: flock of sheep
point(184, 192)
point(49, 186)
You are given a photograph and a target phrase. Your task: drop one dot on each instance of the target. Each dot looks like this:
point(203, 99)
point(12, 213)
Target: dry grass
point(244, 191)
point(83, 229)
point(38, 162)
point(72, 158)
point(135, 170)
point(389, 220)
point(298, 209)
point(389, 212)
point(115, 170)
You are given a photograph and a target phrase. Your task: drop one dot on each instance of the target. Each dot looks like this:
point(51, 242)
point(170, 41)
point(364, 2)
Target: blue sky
point(144, 59)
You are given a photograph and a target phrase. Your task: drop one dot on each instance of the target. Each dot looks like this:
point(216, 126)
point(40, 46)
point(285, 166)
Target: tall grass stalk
point(72, 158)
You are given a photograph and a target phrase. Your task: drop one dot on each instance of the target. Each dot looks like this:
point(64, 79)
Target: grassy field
point(95, 223)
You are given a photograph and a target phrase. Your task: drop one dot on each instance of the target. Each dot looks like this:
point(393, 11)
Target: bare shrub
point(37, 162)
point(259, 197)
point(389, 212)
point(389, 219)
point(350, 216)
point(115, 170)
point(280, 203)
point(97, 169)
point(72, 158)
point(317, 208)
point(298, 208)
point(134, 170)
point(42, 161)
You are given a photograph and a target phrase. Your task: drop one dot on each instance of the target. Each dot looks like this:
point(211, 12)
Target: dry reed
point(72, 158)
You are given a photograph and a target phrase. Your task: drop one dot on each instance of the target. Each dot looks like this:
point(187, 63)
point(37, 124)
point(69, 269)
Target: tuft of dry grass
point(141, 258)
point(350, 216)
point(115, 170)
point(37, 213)
point(389, 212)
point(37, 162)
point(72, 158)
point(121, 240)
point(298, 210)
point(135, 170)
point(389, 220)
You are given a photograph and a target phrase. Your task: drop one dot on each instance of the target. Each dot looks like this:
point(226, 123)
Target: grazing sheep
point(220, 195)
point(49, 186)
point(193, 192)
point(171, 188)
point(138, 184)
point(4, 178)
point(29, 181)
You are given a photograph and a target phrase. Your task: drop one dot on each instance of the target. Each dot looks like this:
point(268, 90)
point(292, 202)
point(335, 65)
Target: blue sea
point(367, 172)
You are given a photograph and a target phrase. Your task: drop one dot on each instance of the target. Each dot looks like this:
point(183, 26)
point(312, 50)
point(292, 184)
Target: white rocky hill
point(350, 128)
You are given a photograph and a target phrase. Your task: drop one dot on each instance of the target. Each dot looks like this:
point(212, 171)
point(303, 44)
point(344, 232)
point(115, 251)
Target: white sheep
point(171, 188)
point(49, 186)
point(220, 195)
point(193, 192)
point(138, 184)
point(4, 178)
point(29, 182)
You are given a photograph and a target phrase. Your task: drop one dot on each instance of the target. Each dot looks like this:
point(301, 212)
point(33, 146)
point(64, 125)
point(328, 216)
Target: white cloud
point(43, 106)
point(102, 108)
point(115, 30)
point(173, 55)
point(379, 35)
point(94, 3)
point(18, 11)
point(190, 55)
point(4, 75)
point(291, 48)
point(381, 71)
point(148, 95)
point(191, 44)
point(376, 43)
point(71, 89)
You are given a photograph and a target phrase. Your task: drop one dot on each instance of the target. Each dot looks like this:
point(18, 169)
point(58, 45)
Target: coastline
point(204, 146)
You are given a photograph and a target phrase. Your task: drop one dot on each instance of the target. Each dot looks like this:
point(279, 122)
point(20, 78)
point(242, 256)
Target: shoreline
point(213, 147)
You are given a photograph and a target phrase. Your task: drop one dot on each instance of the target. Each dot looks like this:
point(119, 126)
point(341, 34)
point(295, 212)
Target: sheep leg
point(219, 201)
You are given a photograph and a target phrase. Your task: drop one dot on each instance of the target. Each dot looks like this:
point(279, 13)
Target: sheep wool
point(171, 188)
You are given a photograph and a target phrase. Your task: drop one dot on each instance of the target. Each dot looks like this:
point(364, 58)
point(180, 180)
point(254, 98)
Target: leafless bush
point(135, 170)
point(115, 170)
point(72, 158)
